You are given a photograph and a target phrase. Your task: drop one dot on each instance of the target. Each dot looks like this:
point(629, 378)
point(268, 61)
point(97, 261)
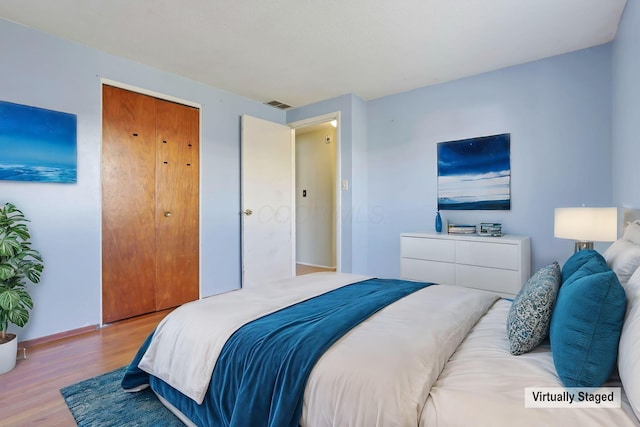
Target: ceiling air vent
point(278, 104)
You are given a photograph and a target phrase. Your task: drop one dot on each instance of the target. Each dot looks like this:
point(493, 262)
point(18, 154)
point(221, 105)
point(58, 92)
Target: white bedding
point(380, 373)
point(483, 385)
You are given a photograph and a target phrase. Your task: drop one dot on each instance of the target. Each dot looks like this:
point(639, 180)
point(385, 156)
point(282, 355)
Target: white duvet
point(378, 374)
point(483, 385)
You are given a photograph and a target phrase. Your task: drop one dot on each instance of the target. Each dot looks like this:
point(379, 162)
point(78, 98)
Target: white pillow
point(624, 258)
point(632, 232)
point(629, 346)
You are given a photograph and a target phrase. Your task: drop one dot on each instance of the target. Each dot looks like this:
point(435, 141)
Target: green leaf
point(6, 272)
point(9, 299)
point(9, 246)
point(25, 299)
point(19, 316)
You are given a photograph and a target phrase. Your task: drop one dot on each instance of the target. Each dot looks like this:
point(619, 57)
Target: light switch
point(345, 184)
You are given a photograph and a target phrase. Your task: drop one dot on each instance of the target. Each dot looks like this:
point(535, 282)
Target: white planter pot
point(8, 352)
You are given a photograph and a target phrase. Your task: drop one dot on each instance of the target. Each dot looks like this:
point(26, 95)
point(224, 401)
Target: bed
point(431, 355)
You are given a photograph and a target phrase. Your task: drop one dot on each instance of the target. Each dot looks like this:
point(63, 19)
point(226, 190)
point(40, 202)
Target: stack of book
point(491, 229)
point(461, 229)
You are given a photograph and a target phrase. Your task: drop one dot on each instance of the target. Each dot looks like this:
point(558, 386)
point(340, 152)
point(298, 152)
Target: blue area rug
point(101, 402)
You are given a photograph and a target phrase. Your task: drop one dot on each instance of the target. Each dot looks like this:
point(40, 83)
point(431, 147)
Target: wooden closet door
point(177, 208)
point(128, 204)
point(150, 204)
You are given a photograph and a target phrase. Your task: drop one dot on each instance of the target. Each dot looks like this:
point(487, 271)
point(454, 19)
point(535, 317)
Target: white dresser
point(497, 264)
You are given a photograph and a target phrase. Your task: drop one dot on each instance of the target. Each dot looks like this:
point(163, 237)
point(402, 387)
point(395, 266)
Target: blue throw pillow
point(593, 265)
point(579, 259)
point(530, 313)
point(585, 329)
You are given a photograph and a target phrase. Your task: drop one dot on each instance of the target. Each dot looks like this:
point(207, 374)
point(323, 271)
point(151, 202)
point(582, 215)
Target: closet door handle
point(247, 212)
point(167, 214)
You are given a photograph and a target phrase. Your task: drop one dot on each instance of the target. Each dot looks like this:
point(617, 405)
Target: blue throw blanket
point(261, 373)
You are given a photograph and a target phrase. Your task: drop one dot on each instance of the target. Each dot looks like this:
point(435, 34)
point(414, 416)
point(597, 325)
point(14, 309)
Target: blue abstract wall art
point(37, 144)
point(475, 173)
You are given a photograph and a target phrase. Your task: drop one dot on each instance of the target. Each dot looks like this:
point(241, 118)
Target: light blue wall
point(558, 112)
point(626, 109)
point(361, 214)
point(48, 72)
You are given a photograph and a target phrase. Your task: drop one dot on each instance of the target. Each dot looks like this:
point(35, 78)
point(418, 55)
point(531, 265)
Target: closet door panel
point(128, 204)
point(177, 204)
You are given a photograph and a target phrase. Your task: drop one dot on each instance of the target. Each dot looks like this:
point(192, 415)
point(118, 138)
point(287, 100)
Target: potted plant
point(19, 265)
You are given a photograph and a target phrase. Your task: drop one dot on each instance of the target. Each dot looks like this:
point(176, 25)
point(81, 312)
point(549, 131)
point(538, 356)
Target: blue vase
point(438, 222)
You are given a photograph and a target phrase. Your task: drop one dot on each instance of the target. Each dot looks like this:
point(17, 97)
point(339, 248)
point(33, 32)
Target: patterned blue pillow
point(530, 312)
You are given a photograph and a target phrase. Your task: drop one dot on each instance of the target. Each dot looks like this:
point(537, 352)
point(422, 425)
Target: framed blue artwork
point(37, 144)
point(475, 173)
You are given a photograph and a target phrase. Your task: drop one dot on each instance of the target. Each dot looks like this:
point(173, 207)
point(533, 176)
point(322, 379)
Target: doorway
point(317, 194)
point(271, 229)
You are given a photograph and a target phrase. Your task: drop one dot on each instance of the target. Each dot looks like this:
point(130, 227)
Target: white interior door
point(267, 185)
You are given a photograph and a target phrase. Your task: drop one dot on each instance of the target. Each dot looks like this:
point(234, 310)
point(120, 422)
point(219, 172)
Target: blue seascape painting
point(37, 144)
point(475, 173)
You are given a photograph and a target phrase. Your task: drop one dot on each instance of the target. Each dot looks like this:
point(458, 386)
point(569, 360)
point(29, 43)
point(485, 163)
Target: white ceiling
point(303, 51)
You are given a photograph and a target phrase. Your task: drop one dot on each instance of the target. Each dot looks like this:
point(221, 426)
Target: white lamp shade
point(586, 224)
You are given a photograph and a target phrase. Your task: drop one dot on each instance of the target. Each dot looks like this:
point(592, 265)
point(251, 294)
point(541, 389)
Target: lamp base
point(582, 245)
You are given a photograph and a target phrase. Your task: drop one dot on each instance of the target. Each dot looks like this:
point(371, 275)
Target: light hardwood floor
point(306, 269)
point(29, 394)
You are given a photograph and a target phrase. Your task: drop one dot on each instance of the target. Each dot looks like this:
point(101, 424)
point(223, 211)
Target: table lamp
point(586, 225)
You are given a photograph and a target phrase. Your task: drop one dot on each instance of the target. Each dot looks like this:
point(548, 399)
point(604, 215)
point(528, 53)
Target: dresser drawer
point(429, 249)
point(421, 270)
point(487, 254)
point(489, 279)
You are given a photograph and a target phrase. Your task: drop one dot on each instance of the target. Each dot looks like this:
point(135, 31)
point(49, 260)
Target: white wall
point(48, 72)
point(315, 219)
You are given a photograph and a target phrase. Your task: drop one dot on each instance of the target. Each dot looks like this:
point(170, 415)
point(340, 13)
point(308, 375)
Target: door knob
point(247, 212)
point(167, 214)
